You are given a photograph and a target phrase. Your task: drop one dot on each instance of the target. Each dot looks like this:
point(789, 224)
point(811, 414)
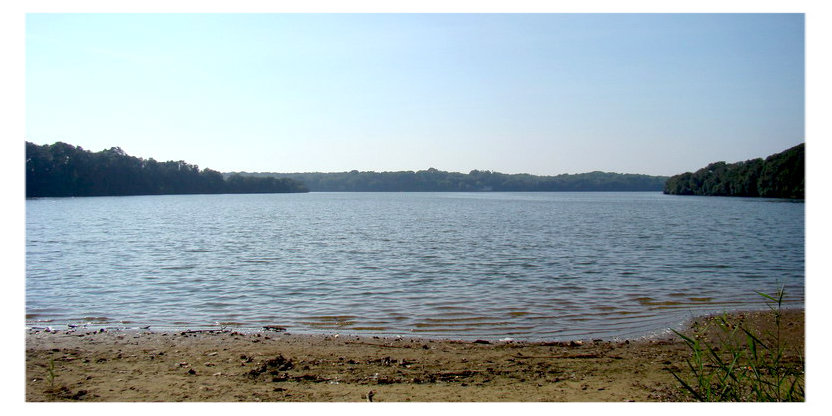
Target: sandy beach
point(127, 366)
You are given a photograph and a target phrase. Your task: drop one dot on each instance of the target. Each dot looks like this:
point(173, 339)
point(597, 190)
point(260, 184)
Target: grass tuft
point(50, 373)
point(742, 364)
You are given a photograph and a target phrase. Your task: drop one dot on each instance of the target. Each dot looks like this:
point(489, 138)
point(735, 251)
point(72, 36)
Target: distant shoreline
point(434, 180)
point(349, 192)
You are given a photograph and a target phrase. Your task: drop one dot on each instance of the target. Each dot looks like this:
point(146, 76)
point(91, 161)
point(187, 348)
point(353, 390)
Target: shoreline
point(130, 327)
point(228, 366)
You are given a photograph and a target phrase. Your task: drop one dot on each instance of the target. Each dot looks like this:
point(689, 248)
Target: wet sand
point(127, 366)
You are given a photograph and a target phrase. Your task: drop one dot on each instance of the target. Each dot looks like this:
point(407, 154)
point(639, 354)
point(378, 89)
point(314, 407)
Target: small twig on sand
point(199, 331)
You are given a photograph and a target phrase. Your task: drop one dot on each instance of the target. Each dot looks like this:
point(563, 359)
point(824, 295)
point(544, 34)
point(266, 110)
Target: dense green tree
point(435, 180)
point(780, 175)
point(61, 169)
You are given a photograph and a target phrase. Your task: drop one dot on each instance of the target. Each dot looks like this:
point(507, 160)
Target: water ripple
point(534, 266)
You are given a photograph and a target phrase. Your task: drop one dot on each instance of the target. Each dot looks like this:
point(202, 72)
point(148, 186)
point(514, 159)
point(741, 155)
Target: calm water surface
point(448, 265)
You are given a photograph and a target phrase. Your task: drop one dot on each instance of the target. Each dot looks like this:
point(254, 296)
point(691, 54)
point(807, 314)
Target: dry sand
point(127, 366)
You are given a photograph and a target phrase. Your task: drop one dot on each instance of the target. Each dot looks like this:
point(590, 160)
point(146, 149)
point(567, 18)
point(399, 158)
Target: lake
point(527, 266)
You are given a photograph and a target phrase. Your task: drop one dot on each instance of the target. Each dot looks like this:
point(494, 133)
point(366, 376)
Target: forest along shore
point(86, 365)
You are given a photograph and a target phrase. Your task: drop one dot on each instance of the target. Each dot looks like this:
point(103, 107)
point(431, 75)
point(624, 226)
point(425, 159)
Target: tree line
point(434, 180)
point(781, 175)
point(61, 169)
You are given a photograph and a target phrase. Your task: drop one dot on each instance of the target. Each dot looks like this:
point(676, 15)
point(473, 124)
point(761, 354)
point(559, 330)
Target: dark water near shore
point(457, 265)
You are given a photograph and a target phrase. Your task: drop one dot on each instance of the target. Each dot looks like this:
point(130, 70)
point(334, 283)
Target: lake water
point(529, 266)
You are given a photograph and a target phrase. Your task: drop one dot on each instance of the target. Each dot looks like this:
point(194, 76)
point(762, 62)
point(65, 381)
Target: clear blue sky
point(541, 93)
